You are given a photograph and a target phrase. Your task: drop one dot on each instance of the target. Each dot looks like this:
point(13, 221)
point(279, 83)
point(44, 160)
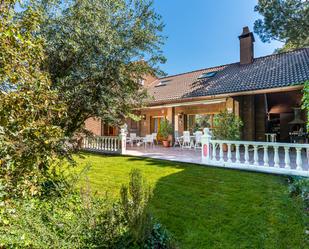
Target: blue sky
point(204, 33)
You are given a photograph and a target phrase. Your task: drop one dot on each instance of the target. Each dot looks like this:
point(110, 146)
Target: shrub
point(299, 186)
point(165, 129)
point(81, 220)
point(227, 126)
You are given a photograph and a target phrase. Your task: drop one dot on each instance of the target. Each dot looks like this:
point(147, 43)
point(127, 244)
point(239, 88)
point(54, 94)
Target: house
point(263, 92)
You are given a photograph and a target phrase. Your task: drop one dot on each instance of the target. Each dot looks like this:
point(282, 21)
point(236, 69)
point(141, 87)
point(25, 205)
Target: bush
point(227, 126)
point(299, 186)
point(81, 220)
point(165, 129)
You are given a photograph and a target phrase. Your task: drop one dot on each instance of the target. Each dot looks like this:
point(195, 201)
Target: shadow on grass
point(208, 207)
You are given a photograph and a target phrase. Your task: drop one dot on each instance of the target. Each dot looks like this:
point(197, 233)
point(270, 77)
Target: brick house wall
point(94, 125)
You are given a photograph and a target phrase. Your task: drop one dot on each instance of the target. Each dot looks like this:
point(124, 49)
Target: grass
point(206, 207)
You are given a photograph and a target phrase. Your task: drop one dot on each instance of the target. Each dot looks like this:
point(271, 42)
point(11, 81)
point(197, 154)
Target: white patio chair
point(186, 142)
point(148, 140)
point(155, 137)
point(131, 139)
point(198, 140)
point(178, 139)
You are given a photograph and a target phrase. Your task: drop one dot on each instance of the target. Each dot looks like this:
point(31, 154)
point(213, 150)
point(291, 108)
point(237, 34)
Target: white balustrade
point(104, 144)
point(270, 157)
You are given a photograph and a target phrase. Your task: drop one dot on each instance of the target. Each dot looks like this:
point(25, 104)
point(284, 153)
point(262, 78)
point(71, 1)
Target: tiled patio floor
point(171, 153)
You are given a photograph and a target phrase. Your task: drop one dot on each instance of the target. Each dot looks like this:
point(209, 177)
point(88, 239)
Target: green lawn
point(207, 207)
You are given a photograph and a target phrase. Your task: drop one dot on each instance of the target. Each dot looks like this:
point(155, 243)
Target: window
point(207, 75)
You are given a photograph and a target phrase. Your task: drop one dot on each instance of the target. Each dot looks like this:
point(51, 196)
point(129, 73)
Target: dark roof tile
point(278, 70)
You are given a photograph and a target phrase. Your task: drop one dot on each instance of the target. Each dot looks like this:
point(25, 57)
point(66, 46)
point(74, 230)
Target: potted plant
point(165, 132)
point(227, 127)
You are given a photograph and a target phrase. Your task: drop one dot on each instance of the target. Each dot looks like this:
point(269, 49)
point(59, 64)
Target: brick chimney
point(246, 46)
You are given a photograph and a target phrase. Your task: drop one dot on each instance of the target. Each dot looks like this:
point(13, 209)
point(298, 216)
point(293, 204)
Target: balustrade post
point(247, 154)
point(265, 158)
point(287, 159)
point(221, 153)
point(229, 153)
point(299, 162)
point(214, 152)
point(123, 139)
point(276, 157)
point(256, 155)
point(206, 140)
point(237, 154)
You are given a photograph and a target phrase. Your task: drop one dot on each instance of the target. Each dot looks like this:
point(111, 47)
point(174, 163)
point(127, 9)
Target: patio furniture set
point(149, 139)
point(186, 141)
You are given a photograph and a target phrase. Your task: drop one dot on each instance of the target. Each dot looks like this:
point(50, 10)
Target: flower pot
point(224, 147)
point(170, 138)
point(166, 143)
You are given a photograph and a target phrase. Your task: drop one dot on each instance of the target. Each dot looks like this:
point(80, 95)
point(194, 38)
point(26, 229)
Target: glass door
point(155, 124)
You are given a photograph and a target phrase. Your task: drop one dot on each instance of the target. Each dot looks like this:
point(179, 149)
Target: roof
point(273, 71)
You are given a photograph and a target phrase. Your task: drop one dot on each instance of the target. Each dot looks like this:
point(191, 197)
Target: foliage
point(135, 209)
point(143, 232)
point(165, 129)
point(97, 53)
point(227, 126)
point(305, 100)
point(284, 20)
point(218, 197)
point(201, 121)
point(29, 139)
point(299, 186)
point(81, 220)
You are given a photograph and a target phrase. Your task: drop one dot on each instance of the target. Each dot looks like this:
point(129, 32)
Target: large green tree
point(29, 139)
point(284, 20)
point(98, 51)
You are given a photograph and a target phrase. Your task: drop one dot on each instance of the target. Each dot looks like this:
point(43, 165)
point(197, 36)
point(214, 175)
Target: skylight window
point(164, 82)
point(207, 75)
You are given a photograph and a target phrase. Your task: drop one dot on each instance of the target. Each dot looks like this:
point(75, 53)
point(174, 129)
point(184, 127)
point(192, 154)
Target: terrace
point(280, 158)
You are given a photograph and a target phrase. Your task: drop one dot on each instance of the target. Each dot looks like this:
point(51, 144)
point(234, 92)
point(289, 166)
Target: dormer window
point(207, 75)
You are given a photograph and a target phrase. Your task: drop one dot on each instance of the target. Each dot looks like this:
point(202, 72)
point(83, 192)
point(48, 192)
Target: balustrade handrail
point(96, 137)
point(269, 144)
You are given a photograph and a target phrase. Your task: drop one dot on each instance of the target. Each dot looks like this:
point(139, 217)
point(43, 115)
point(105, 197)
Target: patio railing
point(278, 158)
point(105, 144)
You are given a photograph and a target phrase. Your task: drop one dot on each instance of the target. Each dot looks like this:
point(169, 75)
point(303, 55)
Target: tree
point(284, 20)
point(29, 140)
point(97, 53)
